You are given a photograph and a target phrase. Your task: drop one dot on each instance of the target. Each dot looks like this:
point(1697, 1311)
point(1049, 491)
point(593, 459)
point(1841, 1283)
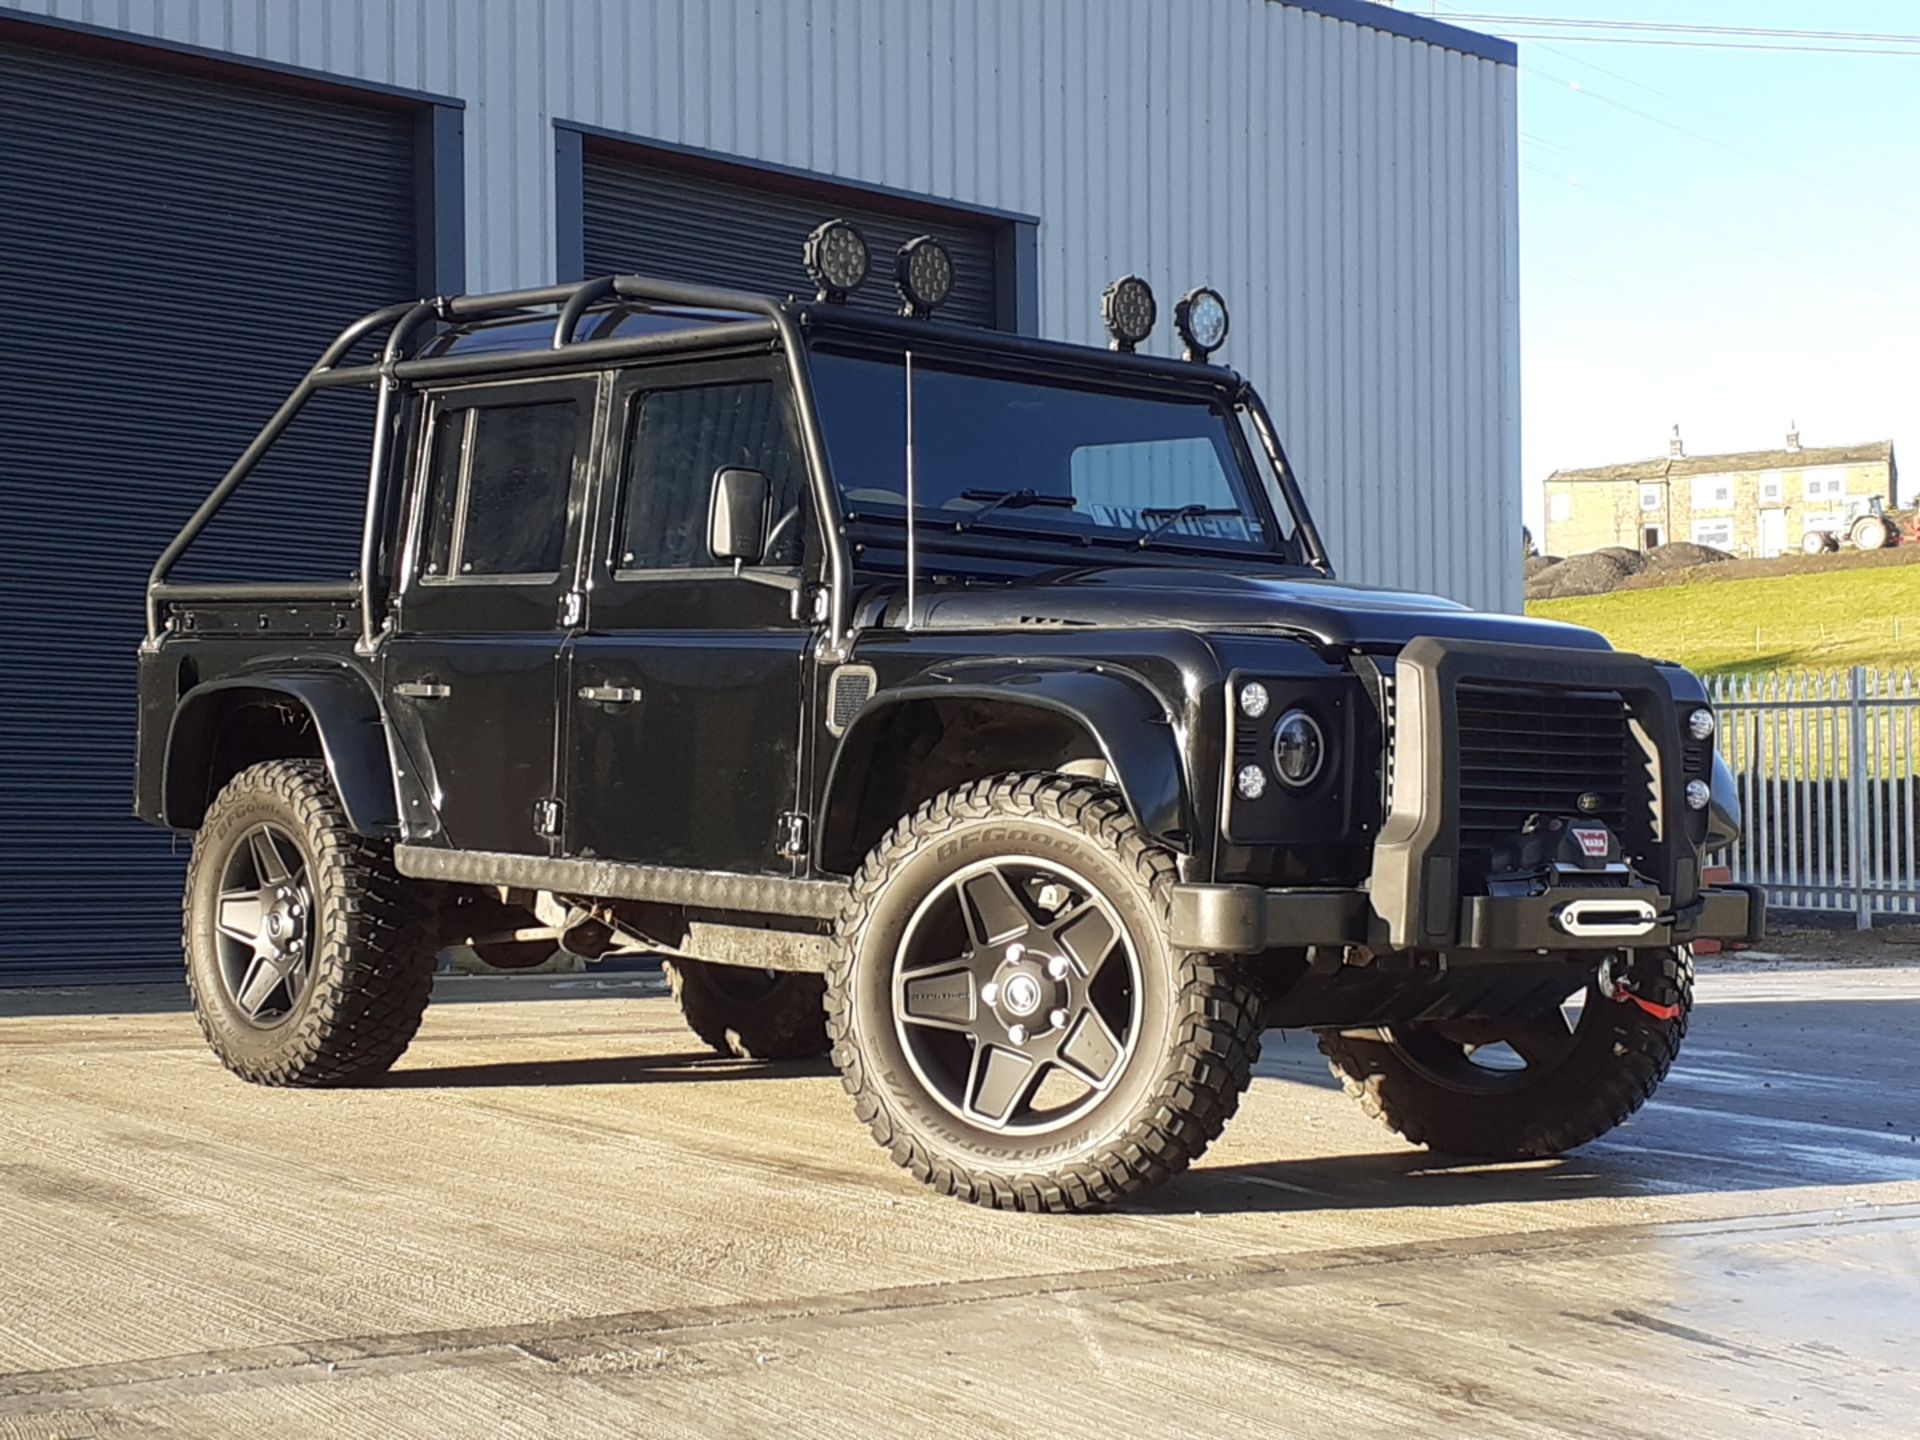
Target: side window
point(676, 440)
point(498, 483)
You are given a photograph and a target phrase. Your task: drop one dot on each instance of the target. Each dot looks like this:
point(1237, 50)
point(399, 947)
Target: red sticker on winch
point(1593, 843)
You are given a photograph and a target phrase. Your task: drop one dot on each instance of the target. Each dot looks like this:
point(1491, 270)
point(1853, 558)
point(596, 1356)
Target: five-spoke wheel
point(1016, 994)
point(265, 922)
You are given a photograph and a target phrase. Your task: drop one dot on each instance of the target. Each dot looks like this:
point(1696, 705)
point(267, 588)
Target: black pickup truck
point(980, 710)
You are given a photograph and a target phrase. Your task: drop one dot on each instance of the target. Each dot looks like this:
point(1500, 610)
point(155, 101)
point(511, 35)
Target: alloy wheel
point(1016, 995)
point(264, 925)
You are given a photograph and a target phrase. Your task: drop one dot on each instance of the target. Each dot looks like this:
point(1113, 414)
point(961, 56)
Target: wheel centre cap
point(1021, 994)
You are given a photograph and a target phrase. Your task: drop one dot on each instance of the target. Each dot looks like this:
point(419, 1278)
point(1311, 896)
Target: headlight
point(1700, 724)
point(1299, 749)
point(1251, 782)
point(1698, 794)
point(1253, 699)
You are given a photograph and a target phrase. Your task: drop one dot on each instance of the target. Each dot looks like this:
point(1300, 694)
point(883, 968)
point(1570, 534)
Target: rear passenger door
point(487, 595)
point(686, 687)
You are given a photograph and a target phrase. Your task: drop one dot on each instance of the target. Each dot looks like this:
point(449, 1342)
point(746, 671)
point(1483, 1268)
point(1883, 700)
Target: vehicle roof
point(524, 333)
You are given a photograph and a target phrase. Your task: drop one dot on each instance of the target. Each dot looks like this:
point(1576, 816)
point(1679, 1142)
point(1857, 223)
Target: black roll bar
point(394, 368)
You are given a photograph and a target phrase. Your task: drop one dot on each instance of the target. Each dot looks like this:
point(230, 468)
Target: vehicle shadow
point(701, 1066)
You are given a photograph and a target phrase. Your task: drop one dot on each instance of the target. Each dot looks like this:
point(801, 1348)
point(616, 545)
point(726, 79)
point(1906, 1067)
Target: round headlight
point(1700, 724)
point(1299, 749)
point(836, 259)
point(924, 273)
point(1253, 700)
point(1129, 310)
point(1251, 782)
point(1698, 794)
point(1201, 319)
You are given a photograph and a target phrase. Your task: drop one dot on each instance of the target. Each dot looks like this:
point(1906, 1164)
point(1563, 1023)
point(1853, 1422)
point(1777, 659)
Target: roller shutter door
point(177, 249)
point(695, 227)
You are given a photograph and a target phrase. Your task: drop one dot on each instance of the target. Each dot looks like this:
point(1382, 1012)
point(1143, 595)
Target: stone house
point(1752, 503)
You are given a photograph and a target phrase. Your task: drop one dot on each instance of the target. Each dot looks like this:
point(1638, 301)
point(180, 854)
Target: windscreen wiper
point(1166, 519)
point(1012, 500)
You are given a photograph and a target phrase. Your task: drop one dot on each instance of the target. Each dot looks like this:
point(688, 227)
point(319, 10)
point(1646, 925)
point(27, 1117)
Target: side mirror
point(737, 518)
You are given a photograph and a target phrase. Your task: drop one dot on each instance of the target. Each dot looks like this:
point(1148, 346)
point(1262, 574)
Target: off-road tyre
point(751, 1014)
point(1622, 1053)
point(1201, 1022)
point(373, 954)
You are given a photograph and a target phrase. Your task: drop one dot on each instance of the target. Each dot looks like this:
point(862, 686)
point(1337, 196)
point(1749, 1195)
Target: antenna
point(913, 546)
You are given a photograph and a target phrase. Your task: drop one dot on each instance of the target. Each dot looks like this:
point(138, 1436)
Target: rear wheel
point(1819, 542)
point(1007, 1014)
point(751, 1014)
point(1522, 1089)
point(306, 955)
point(1871, 532)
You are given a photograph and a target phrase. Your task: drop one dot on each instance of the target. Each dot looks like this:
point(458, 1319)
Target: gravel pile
point(1600, 572)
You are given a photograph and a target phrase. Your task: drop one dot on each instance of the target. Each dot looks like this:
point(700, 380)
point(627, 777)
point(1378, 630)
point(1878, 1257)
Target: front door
point(472, 670)
point(687, 687)
point(1773, 533)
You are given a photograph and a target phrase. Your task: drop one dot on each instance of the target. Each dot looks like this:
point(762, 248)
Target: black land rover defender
point(978, 709)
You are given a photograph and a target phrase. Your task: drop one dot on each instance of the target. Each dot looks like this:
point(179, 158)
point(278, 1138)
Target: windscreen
point(1066, 461)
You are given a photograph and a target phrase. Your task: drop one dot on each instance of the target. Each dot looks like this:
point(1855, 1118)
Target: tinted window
point(1122, 459)
point(676, 440)
point(510, 515)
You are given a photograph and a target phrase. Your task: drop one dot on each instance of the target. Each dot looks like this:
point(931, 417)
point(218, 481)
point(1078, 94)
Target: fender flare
point(1137, 734)
point(346, 717)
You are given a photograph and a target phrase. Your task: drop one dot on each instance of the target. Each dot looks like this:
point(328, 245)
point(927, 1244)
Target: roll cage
point(720, 319)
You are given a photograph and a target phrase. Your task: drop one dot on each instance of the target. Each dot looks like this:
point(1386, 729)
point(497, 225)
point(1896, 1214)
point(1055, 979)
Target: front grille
point(1525, 752)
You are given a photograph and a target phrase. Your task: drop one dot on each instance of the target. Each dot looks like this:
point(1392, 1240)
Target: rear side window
point(676, 440)
point(498, 484)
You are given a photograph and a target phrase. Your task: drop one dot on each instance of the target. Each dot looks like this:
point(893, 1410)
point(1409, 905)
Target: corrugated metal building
point(194, 195)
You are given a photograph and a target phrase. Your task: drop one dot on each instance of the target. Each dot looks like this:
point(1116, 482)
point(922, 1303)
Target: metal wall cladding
point(1352, 192)
point(178, 250)
point(693, 228)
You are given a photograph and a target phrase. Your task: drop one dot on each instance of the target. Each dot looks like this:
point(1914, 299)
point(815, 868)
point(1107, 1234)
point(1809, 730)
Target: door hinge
point(573, 608)
point(794, 836)
point(546, 816)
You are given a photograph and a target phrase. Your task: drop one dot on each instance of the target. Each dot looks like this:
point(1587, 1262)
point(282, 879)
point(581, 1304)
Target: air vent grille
point(849, 689)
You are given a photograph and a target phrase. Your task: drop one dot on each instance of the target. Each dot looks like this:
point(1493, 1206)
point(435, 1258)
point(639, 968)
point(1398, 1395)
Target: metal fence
point(1828, 767)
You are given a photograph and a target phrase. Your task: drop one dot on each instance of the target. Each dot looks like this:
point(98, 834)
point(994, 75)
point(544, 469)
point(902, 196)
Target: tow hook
point(1615, 988)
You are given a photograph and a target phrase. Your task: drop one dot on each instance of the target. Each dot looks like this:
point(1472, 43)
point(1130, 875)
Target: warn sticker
point(1593, 843)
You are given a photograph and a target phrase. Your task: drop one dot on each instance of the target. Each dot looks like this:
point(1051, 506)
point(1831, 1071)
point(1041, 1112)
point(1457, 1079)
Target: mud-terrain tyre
point(1054, 905)
point(332, 990)
point(1618, 1054)
point(751, 1014)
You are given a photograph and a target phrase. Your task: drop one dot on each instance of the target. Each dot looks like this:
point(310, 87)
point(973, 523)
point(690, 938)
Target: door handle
point(423, 690)
point(610, 694)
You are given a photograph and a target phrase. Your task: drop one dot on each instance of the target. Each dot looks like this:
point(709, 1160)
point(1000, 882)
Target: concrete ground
point(558, 1218)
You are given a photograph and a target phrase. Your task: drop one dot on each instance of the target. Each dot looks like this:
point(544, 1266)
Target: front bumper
point(1246, 919)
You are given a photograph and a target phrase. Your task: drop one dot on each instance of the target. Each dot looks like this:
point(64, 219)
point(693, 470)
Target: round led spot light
point(1299, 749)
point(1201, 318)
point(1251, 782)
point(837, 259)
point(1129, 310)
point(1253, 700)
point(1698, 794)
point(924, 274)
point(1700, 724)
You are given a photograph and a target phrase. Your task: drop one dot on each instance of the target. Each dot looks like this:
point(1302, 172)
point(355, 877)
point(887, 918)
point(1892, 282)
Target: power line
point(1677, 28)
point(1751, 46)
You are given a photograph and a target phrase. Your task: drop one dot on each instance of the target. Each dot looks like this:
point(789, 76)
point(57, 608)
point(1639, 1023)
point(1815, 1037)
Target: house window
point(1823, 485)
point(1650, 497)
point(1717, 533)
point(1772, 491)
point(1713, 492)
point(1560, 508)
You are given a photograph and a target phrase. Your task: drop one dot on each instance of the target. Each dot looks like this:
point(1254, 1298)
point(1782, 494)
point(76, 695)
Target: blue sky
point(1724, 240)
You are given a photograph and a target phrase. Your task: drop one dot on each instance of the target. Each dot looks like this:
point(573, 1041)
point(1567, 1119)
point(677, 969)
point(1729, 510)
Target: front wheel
point(1006, 1011)
point(1525, 1088)
point(306, 957)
